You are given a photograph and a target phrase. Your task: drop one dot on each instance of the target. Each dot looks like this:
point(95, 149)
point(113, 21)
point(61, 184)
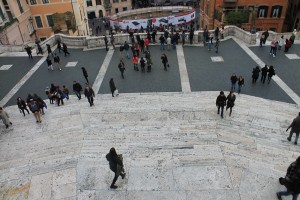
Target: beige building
point(115, 6)
point(15, 28)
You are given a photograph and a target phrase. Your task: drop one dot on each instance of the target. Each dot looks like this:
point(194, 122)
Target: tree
point(237, 17)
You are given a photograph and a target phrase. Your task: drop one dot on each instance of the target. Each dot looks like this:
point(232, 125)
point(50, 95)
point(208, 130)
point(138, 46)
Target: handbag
point(116, 93)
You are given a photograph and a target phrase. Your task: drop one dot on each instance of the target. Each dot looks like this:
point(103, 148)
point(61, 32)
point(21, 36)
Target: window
point(38, 22)
point(276, 11)
point(116, 10)
point(43, 38)
point(32, 2)
point(262, 11)
point(89, 3)
point(98, 2)
point(123, 0)
point(20, 6)
point(45, 1)
point(5, 2)
point(124, 8)
point(50, 20)
point(115, 1)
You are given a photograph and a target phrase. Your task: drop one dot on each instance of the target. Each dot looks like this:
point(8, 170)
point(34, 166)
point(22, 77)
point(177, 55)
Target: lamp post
point(30, 19)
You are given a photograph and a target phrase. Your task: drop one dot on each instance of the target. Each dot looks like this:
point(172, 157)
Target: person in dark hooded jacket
point(115, 165)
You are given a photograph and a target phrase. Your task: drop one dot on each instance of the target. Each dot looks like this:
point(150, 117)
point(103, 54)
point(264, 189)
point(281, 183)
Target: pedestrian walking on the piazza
point(121, 67)
point(291, 181)
point(230, 102)
point(162, 42)
point(241, 83)
point(59, 96)
point(57, 61)
point(39, 49)
point(273, 49)
point(22, 105)
point(121, 54)
point(271, 72)
point(49, 63)
point(205, 36)
point(116, 165)
point(113, 88)
point(35, 109)
point(217, 32)
point(112, 40)
point(264, 72)
point(77, 88)
point(147, 44)
point(29, 51)
point(65, 49)
point(106, 42)
point(135, 61)
point(217, 45)
point(143, 64)
point(183, 37)
point(233, 80)
point(295, 128)
point(264, 37)
point(164, 60)
point(142, 44)
point(49, 50)
point(149, 61)
point(126, 48)
point(89, 94)
point(85, 74)
point(280, 42)
point(255, 74)
point(210, 42)
point(221, 102)
point(169, 42)
point(5, 117)
point(66, 92)
point(191, 35)
point(59, 45)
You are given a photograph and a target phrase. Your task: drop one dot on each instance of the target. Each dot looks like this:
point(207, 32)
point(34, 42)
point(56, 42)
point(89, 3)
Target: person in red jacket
point(147, 43)
point(135, 60)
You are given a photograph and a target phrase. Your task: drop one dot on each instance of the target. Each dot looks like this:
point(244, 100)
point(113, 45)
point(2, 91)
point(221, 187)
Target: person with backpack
point(116, 165)
point(271, 72)
point(221, 102)
point(291, 181)
point(34, 108)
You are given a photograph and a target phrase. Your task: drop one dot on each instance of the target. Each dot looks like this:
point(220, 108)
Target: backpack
point(34, 107)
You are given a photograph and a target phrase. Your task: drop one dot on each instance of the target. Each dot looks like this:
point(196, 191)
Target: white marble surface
point(173, 148)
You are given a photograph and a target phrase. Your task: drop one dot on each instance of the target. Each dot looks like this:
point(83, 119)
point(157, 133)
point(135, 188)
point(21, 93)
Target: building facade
point(275, 15)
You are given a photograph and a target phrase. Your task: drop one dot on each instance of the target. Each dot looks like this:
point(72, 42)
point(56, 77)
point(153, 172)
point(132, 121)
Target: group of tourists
point(266, 71)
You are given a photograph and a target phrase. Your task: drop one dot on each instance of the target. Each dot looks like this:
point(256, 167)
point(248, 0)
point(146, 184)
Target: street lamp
point(30, 19)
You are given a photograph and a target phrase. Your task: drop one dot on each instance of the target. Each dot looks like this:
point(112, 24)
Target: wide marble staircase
point(174, 146)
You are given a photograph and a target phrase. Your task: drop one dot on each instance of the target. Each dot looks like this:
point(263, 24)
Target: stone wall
point(96, 42)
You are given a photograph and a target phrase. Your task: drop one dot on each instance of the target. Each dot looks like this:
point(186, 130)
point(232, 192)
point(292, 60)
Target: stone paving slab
point(9, 78)
point(91, 60)
point(286, 69)
point(206, 75)
point(157, 80)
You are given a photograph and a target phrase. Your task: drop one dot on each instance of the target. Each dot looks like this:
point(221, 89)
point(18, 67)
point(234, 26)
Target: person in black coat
point(264, 72)
point(49, 50)
point(271, 72)
point(58, 45)
point(85, 74)
point(28, 50)
point(230, 102)
point(116, 165)
point(255, 74)
point(122, 68)
point(191, 35)
point(164, 60)
point(291, 181)
point(241, 83)
point(77, 88)
point(221, 102)
point(89, 94)
point(22, 105)
point(112, 86)
point(106, 42)
point(65, 49)
point(143, 64)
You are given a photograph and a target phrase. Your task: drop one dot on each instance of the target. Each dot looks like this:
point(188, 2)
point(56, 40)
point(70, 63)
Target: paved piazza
point(165, 124)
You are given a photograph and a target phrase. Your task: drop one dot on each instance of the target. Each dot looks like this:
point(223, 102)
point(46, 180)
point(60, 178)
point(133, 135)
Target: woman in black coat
point(22, 105)
point(112, 86)
point(230, 102)
point(85, 74)
point(115, 165)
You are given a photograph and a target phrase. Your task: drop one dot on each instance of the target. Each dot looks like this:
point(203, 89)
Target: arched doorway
point(100, 13)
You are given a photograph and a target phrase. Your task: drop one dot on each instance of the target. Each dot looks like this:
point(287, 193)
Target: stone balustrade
point(98, 41)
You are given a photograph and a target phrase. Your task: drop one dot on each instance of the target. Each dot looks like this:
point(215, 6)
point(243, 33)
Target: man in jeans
point(295, 125)
point(76, 89)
